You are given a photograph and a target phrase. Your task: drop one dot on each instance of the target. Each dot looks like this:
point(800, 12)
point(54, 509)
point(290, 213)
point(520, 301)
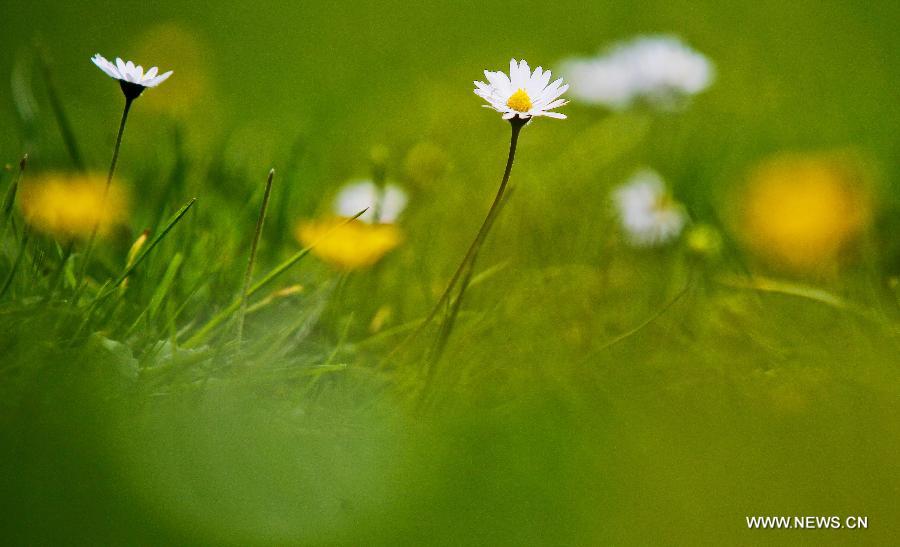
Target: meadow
point(208, 348)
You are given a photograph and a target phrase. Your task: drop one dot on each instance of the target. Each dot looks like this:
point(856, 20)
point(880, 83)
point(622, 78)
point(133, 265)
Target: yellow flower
point(70, 205)
point(348, 245)
point(803, 211)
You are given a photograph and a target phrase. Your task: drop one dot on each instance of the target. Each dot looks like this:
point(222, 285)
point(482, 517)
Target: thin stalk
point(449, 321)
point(115, 158)
point(472, 253)
point(9, 200)
point(248, 275)
point(645, 323)
point(447, 325)
point(112, 171)
point(464, 270)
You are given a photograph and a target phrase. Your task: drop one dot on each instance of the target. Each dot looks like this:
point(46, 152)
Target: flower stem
point(248, 275)
point(112, 171)
point(467, 266)
point(115, 158)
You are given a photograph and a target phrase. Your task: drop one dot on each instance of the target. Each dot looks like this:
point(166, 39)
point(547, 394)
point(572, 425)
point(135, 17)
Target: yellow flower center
point(519, 101)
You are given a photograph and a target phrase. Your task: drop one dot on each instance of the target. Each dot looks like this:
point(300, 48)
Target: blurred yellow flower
point(802, 211)
point(348, 245)
point(70, 205)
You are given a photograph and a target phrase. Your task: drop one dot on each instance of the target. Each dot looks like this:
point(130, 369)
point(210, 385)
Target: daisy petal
point(105, 66)
point(498, 80)
point(158, 80)
point(556, 104)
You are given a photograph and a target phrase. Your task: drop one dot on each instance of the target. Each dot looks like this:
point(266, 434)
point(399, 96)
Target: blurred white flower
point(661, 70)
point(132, 78)
point(523, 93)
point(648, 213)
point(384, 204)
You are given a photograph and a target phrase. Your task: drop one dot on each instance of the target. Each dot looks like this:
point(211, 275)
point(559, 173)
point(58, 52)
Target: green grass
point(589, 394)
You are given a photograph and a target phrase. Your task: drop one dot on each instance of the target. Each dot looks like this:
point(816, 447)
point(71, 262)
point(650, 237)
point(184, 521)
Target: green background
point(730, 404)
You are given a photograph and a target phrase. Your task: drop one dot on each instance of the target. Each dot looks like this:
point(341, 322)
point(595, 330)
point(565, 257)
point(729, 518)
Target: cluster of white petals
point(648, 214)
point(523, 93)
point(383, 205)
point(128, 72)
point(660, 70)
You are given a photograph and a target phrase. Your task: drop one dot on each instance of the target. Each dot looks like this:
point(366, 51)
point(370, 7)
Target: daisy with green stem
point(133, 81)
point(520, 96)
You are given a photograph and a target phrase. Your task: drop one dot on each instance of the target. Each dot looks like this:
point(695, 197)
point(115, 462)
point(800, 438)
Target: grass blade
point(768, 285)
point(156, 240)
point(159, 294)
point(163, 288)
point(248, 275)
point(149, 248)
point(9, 200)
point(217, 320)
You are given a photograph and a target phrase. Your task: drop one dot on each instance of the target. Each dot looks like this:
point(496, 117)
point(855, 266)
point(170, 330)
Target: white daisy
point(648, 213)
point(523, 93)
point(384, 204)
point(132, 78)
point(661, 70)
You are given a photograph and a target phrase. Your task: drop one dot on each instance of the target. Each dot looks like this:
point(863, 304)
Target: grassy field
point(591, 392)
